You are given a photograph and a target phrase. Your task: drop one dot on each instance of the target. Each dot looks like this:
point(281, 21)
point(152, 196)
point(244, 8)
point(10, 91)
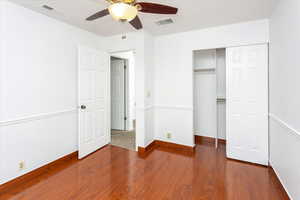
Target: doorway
point(123, 100)
point(210, 94)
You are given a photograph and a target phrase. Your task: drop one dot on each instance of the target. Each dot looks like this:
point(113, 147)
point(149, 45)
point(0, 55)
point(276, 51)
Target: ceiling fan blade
point(136, 23)
point(97, 15)
point(156, 8)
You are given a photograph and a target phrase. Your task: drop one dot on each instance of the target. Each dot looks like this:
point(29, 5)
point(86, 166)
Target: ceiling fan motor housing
point(123, 1)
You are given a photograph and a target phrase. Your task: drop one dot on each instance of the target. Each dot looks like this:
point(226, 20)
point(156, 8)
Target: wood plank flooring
point(167, 174)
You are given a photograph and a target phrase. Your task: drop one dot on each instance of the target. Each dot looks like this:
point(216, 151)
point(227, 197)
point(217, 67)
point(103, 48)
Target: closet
point(210, 93)
point(231, 99)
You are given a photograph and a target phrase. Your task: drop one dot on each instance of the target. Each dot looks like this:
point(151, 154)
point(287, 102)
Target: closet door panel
point(247, 103)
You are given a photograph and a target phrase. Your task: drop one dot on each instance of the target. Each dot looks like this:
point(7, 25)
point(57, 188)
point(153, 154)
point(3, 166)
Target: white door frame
point(109, 89)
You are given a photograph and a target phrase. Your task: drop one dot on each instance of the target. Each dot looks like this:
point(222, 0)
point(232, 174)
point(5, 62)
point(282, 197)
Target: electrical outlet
point(21, 165)
point(148, 94)
point(169, 135)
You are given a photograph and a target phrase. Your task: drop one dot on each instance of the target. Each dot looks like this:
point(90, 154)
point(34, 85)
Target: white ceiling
point(192, 14)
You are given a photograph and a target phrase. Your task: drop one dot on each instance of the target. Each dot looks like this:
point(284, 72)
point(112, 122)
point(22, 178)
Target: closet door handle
point(83, 107)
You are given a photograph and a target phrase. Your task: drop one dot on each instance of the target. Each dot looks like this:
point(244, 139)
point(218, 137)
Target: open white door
point(93, 96)
point(247, 103)
point(118, 94)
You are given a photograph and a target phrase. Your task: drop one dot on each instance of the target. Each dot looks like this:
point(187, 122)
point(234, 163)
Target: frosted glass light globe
point(122, 11)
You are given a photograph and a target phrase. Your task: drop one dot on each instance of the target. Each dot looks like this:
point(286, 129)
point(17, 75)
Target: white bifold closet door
point(247, 103)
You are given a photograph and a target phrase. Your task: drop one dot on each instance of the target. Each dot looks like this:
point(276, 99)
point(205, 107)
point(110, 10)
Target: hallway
point(124, 139)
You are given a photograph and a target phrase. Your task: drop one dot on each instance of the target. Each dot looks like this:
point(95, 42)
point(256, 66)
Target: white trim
point(36, 117)
point(150, 142)
point(286, 125)
point(177, 107)
point(148, 107)
point(280, 180)
point(230, 46)
point(144, 108)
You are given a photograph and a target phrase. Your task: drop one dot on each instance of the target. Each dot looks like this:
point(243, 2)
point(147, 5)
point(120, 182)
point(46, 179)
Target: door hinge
point(125, 118)
point(125, 67)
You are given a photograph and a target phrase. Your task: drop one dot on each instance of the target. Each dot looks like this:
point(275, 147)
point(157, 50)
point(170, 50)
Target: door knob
point(83, 107)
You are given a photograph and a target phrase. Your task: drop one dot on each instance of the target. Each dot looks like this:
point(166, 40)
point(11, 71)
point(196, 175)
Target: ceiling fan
point(127, 10)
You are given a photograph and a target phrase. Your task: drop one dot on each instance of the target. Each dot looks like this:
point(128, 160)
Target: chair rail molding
point(144, 108)
point(159, 106)
point(177, 107)
point(284, 124)
point(36, 117)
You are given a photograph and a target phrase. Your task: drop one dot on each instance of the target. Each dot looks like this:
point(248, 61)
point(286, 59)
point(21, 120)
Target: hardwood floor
point(168, 174)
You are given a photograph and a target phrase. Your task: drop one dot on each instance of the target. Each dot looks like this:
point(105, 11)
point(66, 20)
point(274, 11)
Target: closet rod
point(221, 100)
point(205, 70)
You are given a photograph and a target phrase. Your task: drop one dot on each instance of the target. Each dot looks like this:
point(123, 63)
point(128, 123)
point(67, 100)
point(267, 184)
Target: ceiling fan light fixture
point(123, 11)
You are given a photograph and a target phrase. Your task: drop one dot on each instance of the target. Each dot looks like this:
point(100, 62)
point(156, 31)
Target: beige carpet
point(125, 139)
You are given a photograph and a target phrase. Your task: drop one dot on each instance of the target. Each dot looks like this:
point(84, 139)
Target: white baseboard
point(280, 180)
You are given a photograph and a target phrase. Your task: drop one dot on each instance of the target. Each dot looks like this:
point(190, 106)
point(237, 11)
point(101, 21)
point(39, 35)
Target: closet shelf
point(221, 99)
point(205, 69)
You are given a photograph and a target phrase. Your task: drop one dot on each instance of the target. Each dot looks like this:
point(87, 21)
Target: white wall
point(149, 88)
point(284, 95)
point(1, 86)
point(38, 120)
point(205, 106)
point(174, 73)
